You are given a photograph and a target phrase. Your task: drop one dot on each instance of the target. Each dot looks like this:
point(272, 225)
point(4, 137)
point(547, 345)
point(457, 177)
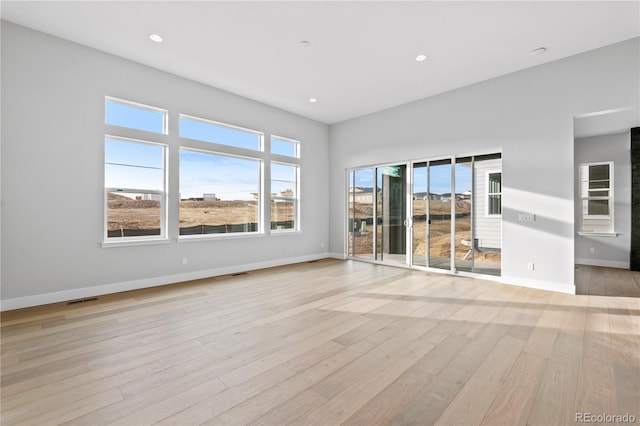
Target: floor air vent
point(89, 299)
point(238, 273)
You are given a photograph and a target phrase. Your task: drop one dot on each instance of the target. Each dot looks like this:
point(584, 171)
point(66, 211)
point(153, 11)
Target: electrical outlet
point(531, 266)
point(184, 261)
point(592, 250)
point(526, 217)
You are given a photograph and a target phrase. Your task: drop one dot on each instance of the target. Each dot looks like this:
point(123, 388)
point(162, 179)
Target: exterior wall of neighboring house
point(488, 228)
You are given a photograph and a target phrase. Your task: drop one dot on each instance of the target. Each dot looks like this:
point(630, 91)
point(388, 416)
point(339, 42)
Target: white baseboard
point(337, 256)
point(605, 263)
point(81, 293)
point(540, 285)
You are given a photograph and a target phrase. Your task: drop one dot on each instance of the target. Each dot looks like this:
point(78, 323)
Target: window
point(219, 194)
point(134, 173)
point(494, 193)
point(286, 147)
point(220, 185)
point(284, 197)
point(218, 133)
point(134, 179)
point(131, 115)
point(221, 177)
point(596, 193)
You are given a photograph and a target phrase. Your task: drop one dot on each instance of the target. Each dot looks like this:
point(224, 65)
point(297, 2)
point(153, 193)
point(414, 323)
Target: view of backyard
point(440, 228)
point(130, 217)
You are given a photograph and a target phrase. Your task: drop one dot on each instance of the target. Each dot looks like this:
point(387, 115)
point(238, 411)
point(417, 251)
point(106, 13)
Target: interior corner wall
point(611, 251)
point(529, 116)
point(52, 174)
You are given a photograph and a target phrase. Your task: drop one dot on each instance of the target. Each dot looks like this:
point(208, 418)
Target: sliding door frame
point(409, 225)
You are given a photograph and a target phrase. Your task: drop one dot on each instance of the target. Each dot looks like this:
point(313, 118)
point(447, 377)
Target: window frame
point(164, 112)
point(221, 146)
point(609, 198)
point(488, 194)
point(296, 144)
point(296, 212)
point(220, 149)
point(163, 236)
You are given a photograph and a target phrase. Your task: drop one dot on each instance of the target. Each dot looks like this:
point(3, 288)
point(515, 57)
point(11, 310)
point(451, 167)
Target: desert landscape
point(128, 217)
point(440, 231)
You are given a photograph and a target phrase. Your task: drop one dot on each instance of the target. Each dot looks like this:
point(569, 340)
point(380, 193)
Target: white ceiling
point(361, 56)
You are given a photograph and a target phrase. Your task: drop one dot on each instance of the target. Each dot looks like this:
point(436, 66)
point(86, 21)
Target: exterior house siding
point(488, 229)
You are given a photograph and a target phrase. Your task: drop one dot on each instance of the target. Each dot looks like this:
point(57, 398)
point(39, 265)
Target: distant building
point(361, 195)
point(465, 196)
point(149, 197)
point(209, 197)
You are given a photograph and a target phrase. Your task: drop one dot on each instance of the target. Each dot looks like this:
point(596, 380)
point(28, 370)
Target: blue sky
point(132, 117)
point(133, 165)
point(440, 179)
point(209, 132)
point(229, 178)
point(139, 165)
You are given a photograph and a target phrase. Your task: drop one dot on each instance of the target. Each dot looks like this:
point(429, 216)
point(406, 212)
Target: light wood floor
point(599, 281)
point(331, 342)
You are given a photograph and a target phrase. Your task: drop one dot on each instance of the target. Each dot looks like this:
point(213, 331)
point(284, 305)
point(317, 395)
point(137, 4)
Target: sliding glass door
point(439, 218)
point(444, 213)
point(377, 218)
point(464, 252)
point(420, 230)
point(392, 213)
point(361, 210)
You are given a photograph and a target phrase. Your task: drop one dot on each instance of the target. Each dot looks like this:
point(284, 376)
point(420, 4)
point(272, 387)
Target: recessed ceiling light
point(538, 51)
point(421, 58)
point(313, 100)
point(155, 37)
point(305, 43)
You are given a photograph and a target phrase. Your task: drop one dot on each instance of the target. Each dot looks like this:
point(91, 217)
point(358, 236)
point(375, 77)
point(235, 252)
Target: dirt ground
point(440, 232)
point(126, 213)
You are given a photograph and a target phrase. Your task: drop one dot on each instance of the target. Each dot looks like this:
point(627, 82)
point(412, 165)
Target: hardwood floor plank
point(328, 342)
point(76, 407)
point(343, 405)
point(291, 410)
point(363, 366)
point(435, 397)
point(393, 400)
point(50, 399)
point(514, 399)
point(471, 404)
point(256, 367)
point(555, 402)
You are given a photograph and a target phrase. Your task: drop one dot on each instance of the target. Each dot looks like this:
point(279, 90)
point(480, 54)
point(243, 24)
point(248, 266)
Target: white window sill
point(213, 237)
point(598, 234)
point(134, 242)
point(278, 233)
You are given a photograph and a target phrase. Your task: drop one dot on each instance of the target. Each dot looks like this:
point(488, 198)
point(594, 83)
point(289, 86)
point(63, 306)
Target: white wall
point(529, 115)
point(608, 251)
point(52, 174)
